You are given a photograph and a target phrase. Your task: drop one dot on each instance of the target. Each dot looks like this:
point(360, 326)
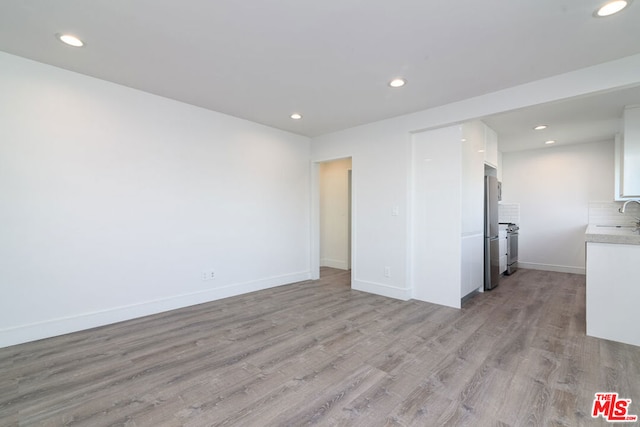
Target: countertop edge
point(595, 234)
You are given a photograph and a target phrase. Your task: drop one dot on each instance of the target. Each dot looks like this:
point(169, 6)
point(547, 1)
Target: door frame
point(315, 216)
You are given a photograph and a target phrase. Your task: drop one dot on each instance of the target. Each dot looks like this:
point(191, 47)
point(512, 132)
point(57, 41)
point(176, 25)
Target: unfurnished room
point(342, 213)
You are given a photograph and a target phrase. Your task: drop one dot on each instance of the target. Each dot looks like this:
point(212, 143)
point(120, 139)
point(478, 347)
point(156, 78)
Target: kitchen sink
point(620, 230)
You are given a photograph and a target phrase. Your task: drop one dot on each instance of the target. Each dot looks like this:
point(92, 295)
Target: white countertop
point(612, 234)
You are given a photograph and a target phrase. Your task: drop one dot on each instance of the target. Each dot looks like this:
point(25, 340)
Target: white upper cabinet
point(491, 147)
point(628, 155)
point(473, 149)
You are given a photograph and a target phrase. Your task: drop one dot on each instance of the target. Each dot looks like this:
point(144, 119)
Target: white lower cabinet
point(491, 147)
point(502, 247)
point(472, 264)
point(613, 292)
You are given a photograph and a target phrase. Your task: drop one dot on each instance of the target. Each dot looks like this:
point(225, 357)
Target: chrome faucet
point(621, 210)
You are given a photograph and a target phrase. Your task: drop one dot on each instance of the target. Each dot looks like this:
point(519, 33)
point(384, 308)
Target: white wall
point(334, 214)
point(379, 187)
point(114, 201)
point(382, 166)
point(554, 186)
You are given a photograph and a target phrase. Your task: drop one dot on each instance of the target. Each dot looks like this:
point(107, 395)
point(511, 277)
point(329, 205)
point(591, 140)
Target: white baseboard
point(60, 326)
point(552, 267)
point(334, 263)
point(403, 294)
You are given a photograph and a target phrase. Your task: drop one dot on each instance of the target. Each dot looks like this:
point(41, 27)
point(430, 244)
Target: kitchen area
point(613, 286)
point(546, 196)
point(501, 233)
point(613, 246)
point(579, 203)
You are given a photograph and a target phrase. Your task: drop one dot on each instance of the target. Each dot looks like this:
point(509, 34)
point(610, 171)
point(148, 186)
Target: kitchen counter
point(612, 234)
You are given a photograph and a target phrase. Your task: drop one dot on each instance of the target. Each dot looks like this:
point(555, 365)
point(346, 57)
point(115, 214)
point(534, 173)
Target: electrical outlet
point(387, 272)
point(208, 275)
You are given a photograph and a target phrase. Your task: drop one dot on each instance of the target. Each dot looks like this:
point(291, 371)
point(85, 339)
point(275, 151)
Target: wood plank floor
point(319, 353)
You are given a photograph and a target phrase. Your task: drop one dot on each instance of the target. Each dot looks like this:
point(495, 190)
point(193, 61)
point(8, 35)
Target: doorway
point(334, 216)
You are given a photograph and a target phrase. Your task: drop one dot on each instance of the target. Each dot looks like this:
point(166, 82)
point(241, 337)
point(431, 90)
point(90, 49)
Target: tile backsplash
point(606, 213)
point(509, 212)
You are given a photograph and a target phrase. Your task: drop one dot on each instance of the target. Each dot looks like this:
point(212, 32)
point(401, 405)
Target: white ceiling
point(330, 60)
point(594, 118)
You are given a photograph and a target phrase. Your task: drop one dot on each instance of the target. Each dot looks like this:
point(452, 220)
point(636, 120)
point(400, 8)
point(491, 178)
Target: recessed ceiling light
point(397, 82)
point(70, 40)
point(296, 116)
point(551, 141)
point(611, 7)
point(480, 151)
point(540, 127)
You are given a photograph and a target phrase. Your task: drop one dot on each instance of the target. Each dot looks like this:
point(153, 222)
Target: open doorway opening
point(335, 206)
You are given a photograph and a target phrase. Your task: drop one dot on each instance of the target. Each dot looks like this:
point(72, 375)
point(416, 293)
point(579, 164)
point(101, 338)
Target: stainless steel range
point(512, 248)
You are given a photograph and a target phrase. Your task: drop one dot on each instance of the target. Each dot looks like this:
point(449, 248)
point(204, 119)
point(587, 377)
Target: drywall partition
point(378, 209)
point(116, 203)
point(382, 160)
point(553, 186)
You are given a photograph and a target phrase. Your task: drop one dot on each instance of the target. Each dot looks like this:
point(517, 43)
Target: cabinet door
point(472, 265)
point(618, 193)
point(630, 144)
point(472, 175)
point(491, 147)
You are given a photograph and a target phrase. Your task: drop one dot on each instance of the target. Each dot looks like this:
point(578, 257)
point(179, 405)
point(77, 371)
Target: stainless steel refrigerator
point(491, 241)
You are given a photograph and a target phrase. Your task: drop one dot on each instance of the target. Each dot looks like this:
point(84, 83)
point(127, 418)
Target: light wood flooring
point(318, 353)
